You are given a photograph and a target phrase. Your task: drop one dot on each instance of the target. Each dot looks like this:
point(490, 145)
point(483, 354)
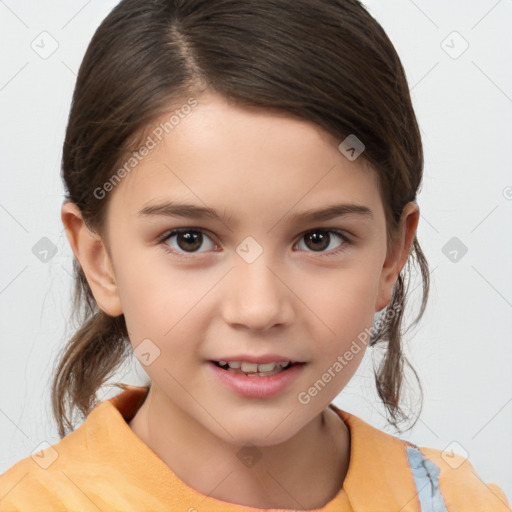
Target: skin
point(306, 304)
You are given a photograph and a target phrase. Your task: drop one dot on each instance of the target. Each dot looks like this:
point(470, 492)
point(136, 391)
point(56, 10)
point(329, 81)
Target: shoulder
point(31, 483)
point(461, 486)
point(90, 467)
point(439, 479)
point(50, 479)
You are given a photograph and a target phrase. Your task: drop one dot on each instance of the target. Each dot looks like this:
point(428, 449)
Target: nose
point(257, 297)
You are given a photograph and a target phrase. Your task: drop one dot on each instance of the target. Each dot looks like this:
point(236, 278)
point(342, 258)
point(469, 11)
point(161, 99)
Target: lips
point(254, 369)
point(252, 366)
point(256, 384)
point(266, 358)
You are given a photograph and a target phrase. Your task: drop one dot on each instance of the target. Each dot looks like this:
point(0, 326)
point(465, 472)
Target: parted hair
point(326, 61)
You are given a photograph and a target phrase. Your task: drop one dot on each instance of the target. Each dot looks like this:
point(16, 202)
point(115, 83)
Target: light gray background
point(462, 349)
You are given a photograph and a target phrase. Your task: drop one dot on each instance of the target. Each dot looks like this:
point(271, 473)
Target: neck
point(305, 472)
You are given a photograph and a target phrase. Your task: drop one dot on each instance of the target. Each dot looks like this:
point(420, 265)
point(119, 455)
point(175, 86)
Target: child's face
point(219, 298)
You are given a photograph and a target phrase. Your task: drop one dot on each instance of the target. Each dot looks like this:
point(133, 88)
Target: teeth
point(254, 369)
point(249, 367)
point(266, 367)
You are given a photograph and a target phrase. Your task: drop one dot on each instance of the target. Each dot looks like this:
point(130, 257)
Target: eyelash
point(190, 256)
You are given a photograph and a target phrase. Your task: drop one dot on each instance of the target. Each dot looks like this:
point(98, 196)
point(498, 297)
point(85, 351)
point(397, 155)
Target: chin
point(270, 432)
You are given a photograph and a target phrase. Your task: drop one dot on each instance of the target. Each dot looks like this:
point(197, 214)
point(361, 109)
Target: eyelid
point(185, 229)
point(340, 232)
point(346, 242)
point(161, 240)
point(345, 239)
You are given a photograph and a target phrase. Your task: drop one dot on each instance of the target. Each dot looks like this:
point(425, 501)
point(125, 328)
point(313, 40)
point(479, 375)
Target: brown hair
point(326, 61)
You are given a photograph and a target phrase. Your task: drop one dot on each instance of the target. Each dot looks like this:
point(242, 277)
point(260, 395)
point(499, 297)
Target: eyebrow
point(170, 209)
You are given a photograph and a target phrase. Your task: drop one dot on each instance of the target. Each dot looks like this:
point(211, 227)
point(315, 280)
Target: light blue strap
point(426, 478)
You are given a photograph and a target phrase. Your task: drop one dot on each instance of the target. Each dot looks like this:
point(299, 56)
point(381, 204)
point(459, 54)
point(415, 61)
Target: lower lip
point(257, 387)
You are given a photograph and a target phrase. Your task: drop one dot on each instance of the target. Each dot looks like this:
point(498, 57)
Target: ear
point(398, 254)
point(90, 250)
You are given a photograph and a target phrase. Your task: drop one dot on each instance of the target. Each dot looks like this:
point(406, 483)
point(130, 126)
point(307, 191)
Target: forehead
point(241, 158)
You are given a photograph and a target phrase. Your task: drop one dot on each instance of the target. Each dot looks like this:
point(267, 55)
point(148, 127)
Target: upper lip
point(266, 358)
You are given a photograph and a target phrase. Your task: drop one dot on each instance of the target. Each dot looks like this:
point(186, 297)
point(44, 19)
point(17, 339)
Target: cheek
point(142, 298)
point(157, 298)
point(345, 312)
point(343, 301)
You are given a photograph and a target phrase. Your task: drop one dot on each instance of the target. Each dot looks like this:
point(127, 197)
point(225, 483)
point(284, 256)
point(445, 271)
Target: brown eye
point(320, 240)
point(187, 240)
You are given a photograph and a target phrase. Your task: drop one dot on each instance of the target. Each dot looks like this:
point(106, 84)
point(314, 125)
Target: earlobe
point(90, 250)
point(397, 257)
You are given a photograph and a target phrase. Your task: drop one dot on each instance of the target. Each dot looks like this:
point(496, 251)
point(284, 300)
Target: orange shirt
point(103, 465)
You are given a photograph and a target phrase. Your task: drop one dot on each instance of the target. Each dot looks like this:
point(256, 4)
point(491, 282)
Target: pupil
point(320, 240)
point(192, 240)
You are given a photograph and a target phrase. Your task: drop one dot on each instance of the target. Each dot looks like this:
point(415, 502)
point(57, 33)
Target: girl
point(241, 181)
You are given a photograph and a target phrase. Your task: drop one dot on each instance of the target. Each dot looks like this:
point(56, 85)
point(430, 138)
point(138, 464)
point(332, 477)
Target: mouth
point(256, 370)
point(263, 377)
